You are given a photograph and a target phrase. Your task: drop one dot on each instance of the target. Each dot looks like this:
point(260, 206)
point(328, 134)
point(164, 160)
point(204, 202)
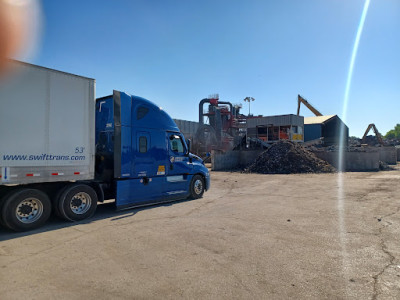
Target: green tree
point(394, 133)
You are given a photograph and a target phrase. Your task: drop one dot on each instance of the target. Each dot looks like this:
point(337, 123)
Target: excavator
point(377, 134)
point(308, 105)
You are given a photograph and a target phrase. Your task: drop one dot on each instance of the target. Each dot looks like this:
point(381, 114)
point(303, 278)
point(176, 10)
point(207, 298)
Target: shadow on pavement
point(104, 211)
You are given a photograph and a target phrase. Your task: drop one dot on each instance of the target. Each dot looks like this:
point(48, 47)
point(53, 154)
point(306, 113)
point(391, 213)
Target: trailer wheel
point(25, 209)
point(56, 202)
point(77, 202)
point(197, 187)
point(2, 200)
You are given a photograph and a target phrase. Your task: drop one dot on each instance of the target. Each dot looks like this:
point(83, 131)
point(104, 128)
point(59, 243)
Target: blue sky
point(176, 53)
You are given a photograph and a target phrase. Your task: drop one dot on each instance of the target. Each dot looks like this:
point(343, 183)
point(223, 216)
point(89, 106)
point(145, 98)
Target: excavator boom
point(308, 105)
point(377, 134)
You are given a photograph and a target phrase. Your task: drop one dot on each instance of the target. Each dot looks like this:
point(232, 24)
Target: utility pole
point(249, 99)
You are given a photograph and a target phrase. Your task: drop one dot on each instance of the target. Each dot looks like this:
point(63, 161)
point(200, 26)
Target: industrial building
point(275, 128)
point(188, 128)
point(326, 127)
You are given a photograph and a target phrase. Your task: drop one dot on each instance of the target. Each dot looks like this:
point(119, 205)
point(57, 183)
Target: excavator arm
point(377, 134)
point(308, 105)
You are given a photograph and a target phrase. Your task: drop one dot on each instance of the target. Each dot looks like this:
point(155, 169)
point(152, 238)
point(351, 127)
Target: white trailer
point(47, 147)
point(46, 126)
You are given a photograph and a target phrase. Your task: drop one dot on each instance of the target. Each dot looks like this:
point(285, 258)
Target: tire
point(56, 201)
point(2, 200)
point(197, 187)
point(77, 202)
point(25, 209)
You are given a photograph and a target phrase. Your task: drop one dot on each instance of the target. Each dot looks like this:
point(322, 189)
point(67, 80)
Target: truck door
point(146, 184)
point(179, 168)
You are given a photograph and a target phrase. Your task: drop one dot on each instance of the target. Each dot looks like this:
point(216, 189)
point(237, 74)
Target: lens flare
point(341, 197)
point(349, 78)
point(20, 28)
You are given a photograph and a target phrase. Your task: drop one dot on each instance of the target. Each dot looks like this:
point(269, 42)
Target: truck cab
point(62, 151)
point(141, 156)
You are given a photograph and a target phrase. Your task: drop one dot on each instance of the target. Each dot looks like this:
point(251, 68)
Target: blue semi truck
point(62, 151)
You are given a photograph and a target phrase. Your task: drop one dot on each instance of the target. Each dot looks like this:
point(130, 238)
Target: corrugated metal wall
point(331, 132)
point(188, 128)
point(281, 120)
point(312, 132)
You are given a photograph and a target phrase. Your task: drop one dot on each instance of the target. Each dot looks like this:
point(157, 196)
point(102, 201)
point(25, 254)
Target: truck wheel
point(77, 202)
point(197, 187)
point(25, 209)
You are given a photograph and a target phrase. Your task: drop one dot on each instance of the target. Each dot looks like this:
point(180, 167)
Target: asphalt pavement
point(305, 236)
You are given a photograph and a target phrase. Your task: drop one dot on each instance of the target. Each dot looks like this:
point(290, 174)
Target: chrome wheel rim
point(80, 203)
point(198, 186)
point(29, 210)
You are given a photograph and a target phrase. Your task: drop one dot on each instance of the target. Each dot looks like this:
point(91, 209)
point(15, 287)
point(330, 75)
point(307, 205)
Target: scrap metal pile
point(285, 157)
point(371, 140)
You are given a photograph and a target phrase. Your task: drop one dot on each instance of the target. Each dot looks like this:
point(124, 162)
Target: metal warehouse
point(326, 127)
point(275, 128)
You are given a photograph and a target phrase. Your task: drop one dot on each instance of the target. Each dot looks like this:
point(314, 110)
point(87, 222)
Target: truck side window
point(141, 112)
point(142, 144)
point(176, 144)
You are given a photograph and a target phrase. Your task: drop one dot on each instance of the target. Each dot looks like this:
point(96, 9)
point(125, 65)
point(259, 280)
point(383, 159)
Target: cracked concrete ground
point(252, 236)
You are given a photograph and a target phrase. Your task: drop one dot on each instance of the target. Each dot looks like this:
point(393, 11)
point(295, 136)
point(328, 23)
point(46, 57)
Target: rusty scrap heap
point(286, 157)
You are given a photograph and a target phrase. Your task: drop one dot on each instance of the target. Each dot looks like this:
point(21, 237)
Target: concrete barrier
point(362, 161)
point(224, 161)
point(398, 153)
point(388, 155)
point(233, 159)
point(353, 161)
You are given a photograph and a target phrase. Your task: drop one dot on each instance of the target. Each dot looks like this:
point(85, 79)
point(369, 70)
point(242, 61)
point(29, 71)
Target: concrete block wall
point(362, 161)
point(388, 155)
point(224, 161)
point(398, 154)
point(233, 159)
point(353, 161)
